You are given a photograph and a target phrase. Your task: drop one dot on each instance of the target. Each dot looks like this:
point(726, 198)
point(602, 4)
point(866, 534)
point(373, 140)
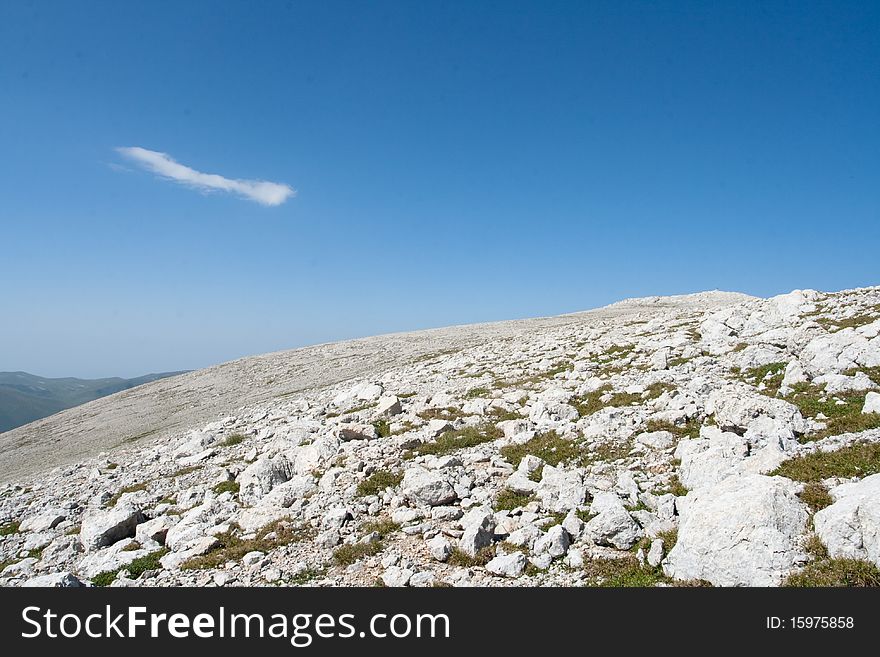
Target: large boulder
point(744, 531)
point(735, 409)
point(261, 476)
point(426, 487)
point(612, 525)
point(560, 490)
point(101, 527)
point(850, 528)
point(55, 580)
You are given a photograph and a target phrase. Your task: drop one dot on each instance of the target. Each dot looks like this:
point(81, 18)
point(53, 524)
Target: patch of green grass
point(475, 393)
point(593, 401)
point(815, 496)
point(845, 417)
point(508, 500)
point(226, 487)
point(500, 415)
point(537, 474)
point(622, 572)
point(452, 441)
point(305, 576)
point(835, 325)
point(585, 515)
point(36, 553)
point(359, 408)
point(857, 460)
point(134, 488)
point(606, 452)
point(136, 568)
point(654, 390)
point(232, 547)
point(383, 526)
point(548, 446)
point(383, 428)
point(132, 547)
point(673, 486)
point(231, 440)
point(378, 482)
point(690, 429)
point(460, 558)
point(670, 538)
point(185, 471)
point(345, 555)
point(9, 528)
point(447, 413)
point(836, 572)
point(872, 373)
point(675, 362)
point(770, 374)
point(169, 499)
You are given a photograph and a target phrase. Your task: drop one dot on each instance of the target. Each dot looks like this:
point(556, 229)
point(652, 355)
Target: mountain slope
point(158, 409)
point(25, 397)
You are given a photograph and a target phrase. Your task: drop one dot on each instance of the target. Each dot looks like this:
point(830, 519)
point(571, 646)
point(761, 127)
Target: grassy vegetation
point(500, 415)
point(675, 362)
point(383, 526)
point(128, 489)
point(359, 408)
point(549, 447)
point(231, 547)
point(303, 577)
point(185, 471)
point(836, 572)
point(136, 568)
point(226, 487)
point(9, 528)
point(815, 496)
point(475, 393)
point(844, 417)
point(834, 325)
point(460, 558)
point(508, 500)
point(673, 486)
point(771, 375)
point(378, 482)
point(447, 413)
point(345, 555)
point(383, 428)
point(857, 460)
point(621, 572)
point(452, 441)
point(690, 429)
point(656, 389)
point(593, 401)
point(232, 440)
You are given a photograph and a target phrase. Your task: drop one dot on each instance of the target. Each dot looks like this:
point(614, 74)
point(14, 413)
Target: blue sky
point(453, 162)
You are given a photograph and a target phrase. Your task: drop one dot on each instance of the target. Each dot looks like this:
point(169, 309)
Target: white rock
point(560, 490)
point(388, 406)
point(397, 576)
point(262, 476)
point(55, 580)
point(850, 528)
point(440, 547)
point(872, 403)
point(103, 527)
point(43, 521)
point(613, 525)
point(655, 554)
point(555, 542)
point(155, 530)
point(656, 439)
point(744, 531)
point(508, 565)
point(426, 487)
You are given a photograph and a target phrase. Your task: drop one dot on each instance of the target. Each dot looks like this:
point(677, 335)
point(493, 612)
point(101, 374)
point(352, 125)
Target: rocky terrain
point(711, 439)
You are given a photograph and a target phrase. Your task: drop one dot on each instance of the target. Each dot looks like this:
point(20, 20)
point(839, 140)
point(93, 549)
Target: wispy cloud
point(162, 164)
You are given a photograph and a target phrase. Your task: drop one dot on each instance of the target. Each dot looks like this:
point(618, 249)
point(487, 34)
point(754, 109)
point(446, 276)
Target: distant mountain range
point(25, 397)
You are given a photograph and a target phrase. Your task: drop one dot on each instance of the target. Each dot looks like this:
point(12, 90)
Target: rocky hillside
point(711, 439)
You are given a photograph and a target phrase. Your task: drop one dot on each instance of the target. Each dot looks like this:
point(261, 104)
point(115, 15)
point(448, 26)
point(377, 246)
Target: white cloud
point(162, 164)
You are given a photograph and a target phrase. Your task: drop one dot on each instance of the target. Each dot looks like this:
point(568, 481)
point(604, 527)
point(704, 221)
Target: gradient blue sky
point(454, 162)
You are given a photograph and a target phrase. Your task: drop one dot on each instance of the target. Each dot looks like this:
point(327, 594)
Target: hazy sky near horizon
point(186, 183)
